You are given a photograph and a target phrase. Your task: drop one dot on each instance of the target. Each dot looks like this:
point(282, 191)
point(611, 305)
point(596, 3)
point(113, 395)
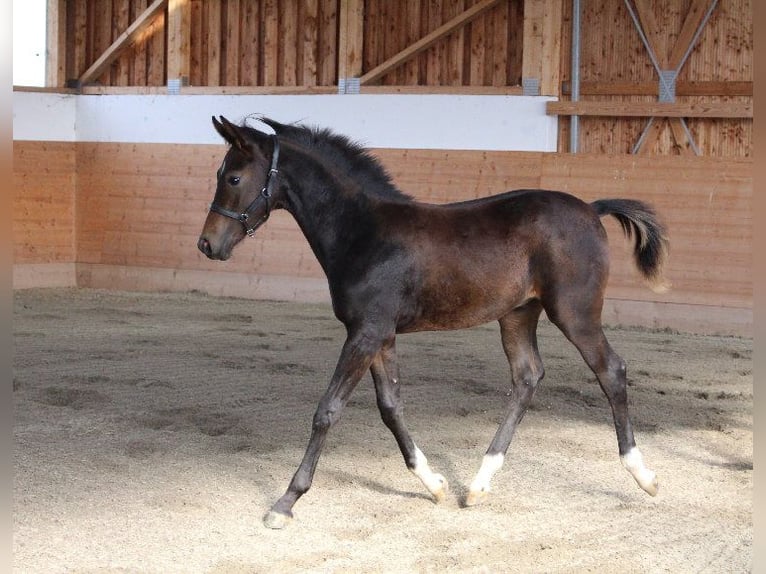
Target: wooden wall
point(44, 181)
point(615, 67)
point(296, 42)
point(138, 217)
point(309, 45)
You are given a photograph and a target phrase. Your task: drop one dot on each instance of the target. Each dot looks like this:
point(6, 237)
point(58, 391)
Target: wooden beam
point(651, 109)
point(541, 55)
point(55, 44)
point(428, 40)
point(692, 22)
point(551, 64)
point(652, 32)
point(212, 40)
point(682, 142)
point(351, 38)
point(178, 58)
point(683, 88)
point(122, 42)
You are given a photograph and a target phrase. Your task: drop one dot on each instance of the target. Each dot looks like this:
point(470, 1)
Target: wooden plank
point(499, 44)
point(411, 69)
point(122, 42)
point(328, 43)
point(551, 50)
point(55, 43)
point(155, 73)
point(351, 38)
point(250, 41)
point(76, 60)
point(650, 109)
point(138, 75)
point(120, 21)
point(284, 90)
point(230, 65)
point(270, 52)
point(101, 29)
point(196, 46)
point(178, 57)
point(288, 48)
point(427, 41)
point(309, 44)
point(683, 88)
point(213, 39)
point(532, 64)
point(478, 30)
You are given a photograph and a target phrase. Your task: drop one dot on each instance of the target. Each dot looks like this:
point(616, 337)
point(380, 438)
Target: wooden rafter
point(428, 40)
point(122, 42)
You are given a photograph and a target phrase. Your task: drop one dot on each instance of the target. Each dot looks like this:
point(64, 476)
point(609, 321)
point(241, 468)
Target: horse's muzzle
point(203, 244)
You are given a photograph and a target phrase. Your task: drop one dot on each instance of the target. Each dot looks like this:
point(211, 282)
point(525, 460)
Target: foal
point(395, 265)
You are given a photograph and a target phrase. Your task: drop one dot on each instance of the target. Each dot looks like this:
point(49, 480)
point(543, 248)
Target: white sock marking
point(633, 461)
point(490, 464)
point(434, 482)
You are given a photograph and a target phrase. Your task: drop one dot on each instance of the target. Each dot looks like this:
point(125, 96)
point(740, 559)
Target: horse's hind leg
point(385, 374)
point(519, 336)
point(585, 332)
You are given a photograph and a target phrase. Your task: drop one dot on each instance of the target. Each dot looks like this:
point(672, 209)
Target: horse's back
point(477, 260)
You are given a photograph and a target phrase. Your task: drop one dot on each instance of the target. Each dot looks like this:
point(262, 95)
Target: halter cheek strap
point(265, 196)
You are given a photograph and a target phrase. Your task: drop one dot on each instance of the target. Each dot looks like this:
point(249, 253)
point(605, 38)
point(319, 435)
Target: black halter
point(265, 195)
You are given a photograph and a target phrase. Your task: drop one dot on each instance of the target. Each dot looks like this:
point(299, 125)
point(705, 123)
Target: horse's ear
point(232, 134)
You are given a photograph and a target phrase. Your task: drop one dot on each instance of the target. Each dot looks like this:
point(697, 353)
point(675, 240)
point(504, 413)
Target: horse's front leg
point(358, 352)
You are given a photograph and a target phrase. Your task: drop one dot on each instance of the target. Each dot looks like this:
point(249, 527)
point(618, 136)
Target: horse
point(396, 265)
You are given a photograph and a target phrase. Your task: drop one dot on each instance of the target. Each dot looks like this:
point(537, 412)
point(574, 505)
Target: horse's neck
point(329, 211)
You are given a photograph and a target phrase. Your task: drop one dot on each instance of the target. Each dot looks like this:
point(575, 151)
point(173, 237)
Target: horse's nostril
point(204, 246)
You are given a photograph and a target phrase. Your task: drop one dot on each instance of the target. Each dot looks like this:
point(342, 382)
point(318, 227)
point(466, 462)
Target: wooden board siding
point(138, 216)
point(43, 202)
point(612, 54)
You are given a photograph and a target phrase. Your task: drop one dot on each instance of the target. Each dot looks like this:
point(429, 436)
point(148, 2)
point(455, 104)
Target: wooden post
point(179, 45)
point(351, 39)
point(55, 44)
point(542, 46)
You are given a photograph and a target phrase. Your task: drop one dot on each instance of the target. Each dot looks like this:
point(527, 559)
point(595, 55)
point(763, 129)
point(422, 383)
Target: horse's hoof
point(651, 486)
point(440, 493)
point(475, 497)
point(276, 520)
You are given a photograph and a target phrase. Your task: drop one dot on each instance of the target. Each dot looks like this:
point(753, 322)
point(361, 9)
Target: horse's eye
point(234, 180)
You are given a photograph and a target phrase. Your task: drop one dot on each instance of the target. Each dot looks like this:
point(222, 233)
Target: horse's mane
point(349, 156)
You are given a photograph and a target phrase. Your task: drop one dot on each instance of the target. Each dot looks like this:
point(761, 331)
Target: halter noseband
point(265, 195)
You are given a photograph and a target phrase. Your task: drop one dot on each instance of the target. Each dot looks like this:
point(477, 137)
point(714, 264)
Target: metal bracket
point(348, 86)
point(667, 85)
point(530, 86)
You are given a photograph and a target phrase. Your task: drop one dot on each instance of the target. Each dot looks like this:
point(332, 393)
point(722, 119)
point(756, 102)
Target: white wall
point(511, 123)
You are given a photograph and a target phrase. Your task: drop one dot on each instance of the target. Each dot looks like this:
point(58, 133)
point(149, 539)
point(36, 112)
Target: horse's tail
point(640, 222)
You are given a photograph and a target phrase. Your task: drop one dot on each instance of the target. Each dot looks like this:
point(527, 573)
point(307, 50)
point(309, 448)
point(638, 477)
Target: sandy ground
point(152, 432)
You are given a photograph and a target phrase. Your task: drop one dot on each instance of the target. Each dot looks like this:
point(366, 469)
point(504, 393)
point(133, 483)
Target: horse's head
point(245, 192)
